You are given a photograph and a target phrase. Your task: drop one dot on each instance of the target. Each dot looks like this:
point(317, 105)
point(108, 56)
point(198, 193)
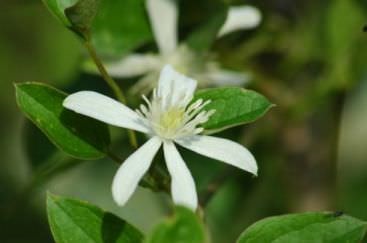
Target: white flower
point(168, 119)
point(163, 15)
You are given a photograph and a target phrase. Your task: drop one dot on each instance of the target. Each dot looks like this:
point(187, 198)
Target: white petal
point(222, 77)
point(163, 15)
point(182, 184)
point(132, 170)
point(240, 18)
point(134, 65)
point(105, 109)
point(221, 149)
point(175, 88)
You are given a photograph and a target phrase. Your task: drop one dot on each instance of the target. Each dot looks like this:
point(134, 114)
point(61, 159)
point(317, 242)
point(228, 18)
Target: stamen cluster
point(174, 120)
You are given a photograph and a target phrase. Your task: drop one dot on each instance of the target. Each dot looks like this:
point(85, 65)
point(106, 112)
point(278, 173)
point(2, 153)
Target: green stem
point(111, 83)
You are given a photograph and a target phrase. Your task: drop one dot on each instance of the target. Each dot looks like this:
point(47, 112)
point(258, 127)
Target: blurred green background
point(308, 57)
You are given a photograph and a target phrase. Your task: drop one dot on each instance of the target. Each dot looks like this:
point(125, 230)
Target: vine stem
point(111, 83)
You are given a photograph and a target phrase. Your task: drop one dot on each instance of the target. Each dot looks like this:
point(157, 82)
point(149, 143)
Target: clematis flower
point(169, 118)
point(163, 16)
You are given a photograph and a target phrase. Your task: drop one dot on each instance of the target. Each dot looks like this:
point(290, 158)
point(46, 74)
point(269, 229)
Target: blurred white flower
point(163, 16)
point(167, 118)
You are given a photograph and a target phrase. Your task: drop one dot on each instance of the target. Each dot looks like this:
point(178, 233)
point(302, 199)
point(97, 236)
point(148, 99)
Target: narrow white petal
point(175, 88)
point(163, 15)
point(240, 18)
point(134, 65)
point(183, 187)
point(132, 170)
point(222, 77)
point(105, 109)
point(221, 149)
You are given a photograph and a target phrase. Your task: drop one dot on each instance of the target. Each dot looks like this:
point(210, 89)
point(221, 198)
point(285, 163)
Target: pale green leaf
point(315, 227)
point(233, 106)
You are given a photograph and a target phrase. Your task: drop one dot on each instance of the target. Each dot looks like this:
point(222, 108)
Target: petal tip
point(68, 101)
point(117, 197)
point(252, 168)
point(72, 99)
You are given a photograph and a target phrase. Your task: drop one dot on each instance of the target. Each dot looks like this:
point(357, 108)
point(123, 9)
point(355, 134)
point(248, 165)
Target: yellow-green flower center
point(174, 120)
point(171, 120)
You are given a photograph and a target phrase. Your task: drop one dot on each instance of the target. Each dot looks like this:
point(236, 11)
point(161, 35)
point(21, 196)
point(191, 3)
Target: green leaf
point(74, 14)
point(73, 221)
point(57, 7)
point(323, 227)
point(203, 37)
point(119, 27)
point(184, 226)
point(76, 135)
point(81, 16)
point(233, 106)
point(115, 27)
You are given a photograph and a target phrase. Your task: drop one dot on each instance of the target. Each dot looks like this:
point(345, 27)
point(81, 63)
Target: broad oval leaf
point(76, 135)
point(184, 226)
point(233, 106)
point(73, 221)
point(322, 227)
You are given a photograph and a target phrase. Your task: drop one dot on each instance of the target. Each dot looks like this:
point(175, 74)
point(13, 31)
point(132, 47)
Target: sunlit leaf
point(320, 227)
point(233, 106)
point(76, 135)
point(73, 221)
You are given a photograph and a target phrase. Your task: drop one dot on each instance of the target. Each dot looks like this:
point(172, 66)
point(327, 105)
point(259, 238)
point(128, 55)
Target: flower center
point(172, 119)
point(175, 121)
